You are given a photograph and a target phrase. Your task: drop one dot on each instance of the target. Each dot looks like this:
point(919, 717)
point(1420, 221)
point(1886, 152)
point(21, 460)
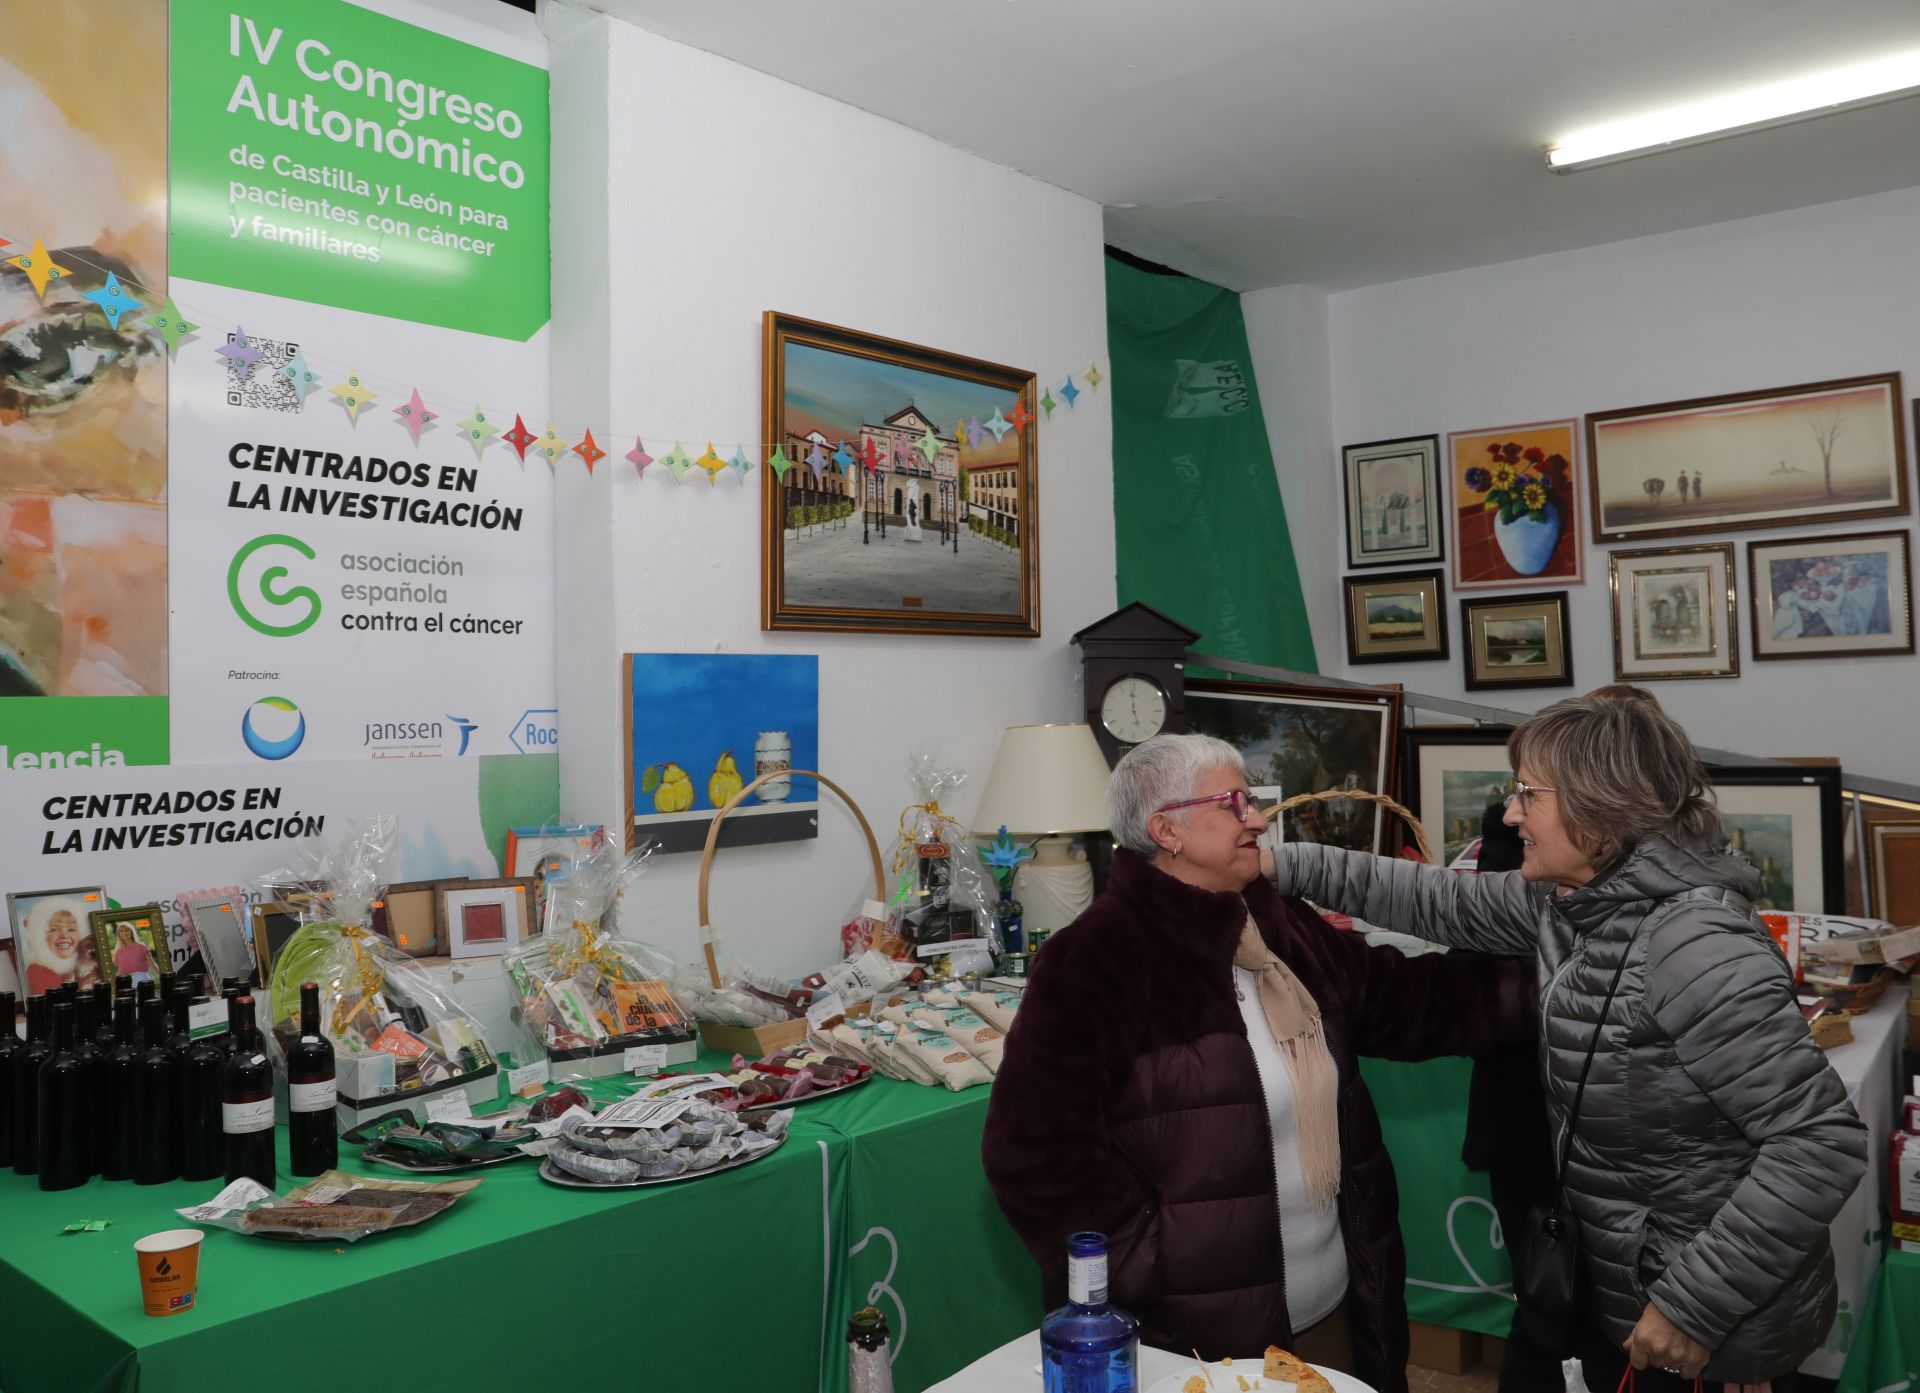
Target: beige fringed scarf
point(1294, 1018)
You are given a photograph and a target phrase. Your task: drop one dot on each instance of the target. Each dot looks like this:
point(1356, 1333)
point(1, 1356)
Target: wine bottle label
point(311, 1097)
point(236, 1118)
point(1087, 1280)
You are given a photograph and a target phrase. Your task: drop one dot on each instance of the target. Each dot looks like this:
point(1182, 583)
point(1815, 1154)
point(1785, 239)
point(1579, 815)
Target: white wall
point(1816, 293)
point(699, 196)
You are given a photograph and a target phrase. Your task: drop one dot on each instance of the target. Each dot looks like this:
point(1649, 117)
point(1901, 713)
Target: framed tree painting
point(1816, 452)
point(1516, 505)
point(1395, 618)
point(1451, 776)
point(1785, 819)
point(1393, 502)
point(1674, 613)
point(1517, 641)
point(1832, 597)
point(900, 493)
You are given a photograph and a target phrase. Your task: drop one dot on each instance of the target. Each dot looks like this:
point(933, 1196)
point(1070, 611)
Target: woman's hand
point(1657, 1343)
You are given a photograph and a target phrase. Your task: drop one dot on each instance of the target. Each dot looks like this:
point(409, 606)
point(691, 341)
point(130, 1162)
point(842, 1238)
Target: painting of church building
point(908, 486)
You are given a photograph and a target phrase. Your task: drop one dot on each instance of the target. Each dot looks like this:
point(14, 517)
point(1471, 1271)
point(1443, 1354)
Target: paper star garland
point(519, 437)
point(1094, 379)
point(974, 433)
point(639, 457)
point(589, 451)
point(40, 268)
point(999, 425)
point(550, 446)
point(869, 455)
point(414, 415)
point(173, 326)
point(304, 379)
point(679, 461)
point(779, 463)
point(353, 394)
point(740, 460)
point(1020, 417)
point(480, 432)
point(843, 457)
point(903, 448)
point(711, 462)
point(113, 301)
point(1047, 403)
point(816, 461)
point(1069, 391)
point(236, 350)
point(929, 444)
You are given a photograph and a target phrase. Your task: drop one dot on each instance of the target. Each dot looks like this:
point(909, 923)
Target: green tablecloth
point(1885, 1357)
point(878, 1195)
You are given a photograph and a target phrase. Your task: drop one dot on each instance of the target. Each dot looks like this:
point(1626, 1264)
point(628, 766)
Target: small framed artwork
point(407, 915)
point(1453, 774)
point(1785, 819)
point(1517, 641)
point(53, 937)
point(530, 849)
point(1393, 502)
point(1816, 452)
point(1832, 597)
point(273, 923)
point(225, 936)
point(1396, 618)
point(1516, 505)
point(486, 918)
point(130, 943)
point(1893, 862)
point(1674, 613)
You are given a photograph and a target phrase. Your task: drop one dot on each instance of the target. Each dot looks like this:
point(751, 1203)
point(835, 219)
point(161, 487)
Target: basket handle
point(713, 838)
point(1419, 835)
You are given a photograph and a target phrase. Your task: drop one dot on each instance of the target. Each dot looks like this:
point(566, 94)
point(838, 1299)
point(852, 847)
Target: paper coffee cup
point(169, 1270)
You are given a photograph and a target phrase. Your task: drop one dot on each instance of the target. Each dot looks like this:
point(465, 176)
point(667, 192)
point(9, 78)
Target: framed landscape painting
point(1452, 774)
point(1785, 819)
point(1673, 613)
point(1393, 502)
point(1820, 451)
point(1516, 505)
point(900, 493)
point(1395, 618)
point(1517, 641)
point(1832, 597)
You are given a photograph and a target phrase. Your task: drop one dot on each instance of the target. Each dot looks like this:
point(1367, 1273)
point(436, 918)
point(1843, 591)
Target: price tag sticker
point(873, 909)
point(529, 1079)
point(644, 1059)
point(827, 1009)
point(446, 1107)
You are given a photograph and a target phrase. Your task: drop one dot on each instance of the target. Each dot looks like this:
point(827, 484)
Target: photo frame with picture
point(486, 918)
point(1675, 613)
point(1449, 777)
point(1516, 505)
point(1395, 503)
point(407, 915)
point(1832, 597)
point(223, 934)
point(1517, 641)
point(1893, 869)
point(51, 938)
point(130, 942)
point(1786, 820)
point(1399, 617)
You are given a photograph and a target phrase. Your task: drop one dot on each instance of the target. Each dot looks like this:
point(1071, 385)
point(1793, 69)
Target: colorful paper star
point(1047, 403)
point(843, 457)
point(415, 416)
point(519, 437)
point(711, 462)
point(679, 461)
point(173, 326)
point(1093, 376)
point(929, 444)
point(304, 379)
point(816, 459)
point(869, 454)
point(639, 457)
point(353, 394)
point(236, 350)
point(998, 424)
point(113, 301)
point(589, 451)
point(1069, 391)
point(479, 431)
point(740, 460)
point(903, 447)
point(974, 433)
point(550, 446)
point(1021, 416)
point(779, 463)
point(40, 267)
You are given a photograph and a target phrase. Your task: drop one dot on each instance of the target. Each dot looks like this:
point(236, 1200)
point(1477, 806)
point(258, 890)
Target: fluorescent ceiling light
point(1751, 109)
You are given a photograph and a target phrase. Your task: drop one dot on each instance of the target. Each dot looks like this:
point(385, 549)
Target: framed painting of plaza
point(1451, 775)
point(1674, 613)
point(1395, 618)
point(1832, 597)
point(1393, 502)
point(1785, 819)
point(1817, 452)
point(1516, 505)
point(900, 490)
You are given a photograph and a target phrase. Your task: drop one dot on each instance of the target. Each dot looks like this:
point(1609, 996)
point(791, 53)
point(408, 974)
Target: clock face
point(1134, 709)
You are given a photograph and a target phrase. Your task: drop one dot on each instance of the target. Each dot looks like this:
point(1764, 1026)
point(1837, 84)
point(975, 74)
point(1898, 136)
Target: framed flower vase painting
point(1832, 597)
point(1516, 505)
point(1395, 618)
point(1673, 613)
point(1517, 641)
point(1393, 502)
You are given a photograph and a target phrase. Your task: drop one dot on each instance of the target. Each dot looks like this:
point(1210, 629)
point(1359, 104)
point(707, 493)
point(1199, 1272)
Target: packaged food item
point(997, 1008)
point(941, 1056)
point(983, 1041)
point(333, 1207)
point(665, 1131)
point(1903, 1191)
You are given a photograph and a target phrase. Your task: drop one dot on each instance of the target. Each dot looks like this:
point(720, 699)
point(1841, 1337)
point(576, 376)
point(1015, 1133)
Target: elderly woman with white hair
point(1183, 1077)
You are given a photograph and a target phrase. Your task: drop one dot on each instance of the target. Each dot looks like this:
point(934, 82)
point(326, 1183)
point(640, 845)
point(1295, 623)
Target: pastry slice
point(1288, 1369)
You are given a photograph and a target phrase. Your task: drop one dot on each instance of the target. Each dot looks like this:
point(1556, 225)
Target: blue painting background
point(692, 707)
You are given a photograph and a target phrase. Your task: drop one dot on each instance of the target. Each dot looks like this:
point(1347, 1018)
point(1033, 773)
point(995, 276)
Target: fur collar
point(1206, 922)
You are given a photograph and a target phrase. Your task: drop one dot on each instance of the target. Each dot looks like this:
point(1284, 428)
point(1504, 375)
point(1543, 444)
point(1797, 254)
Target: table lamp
point(1048, 782)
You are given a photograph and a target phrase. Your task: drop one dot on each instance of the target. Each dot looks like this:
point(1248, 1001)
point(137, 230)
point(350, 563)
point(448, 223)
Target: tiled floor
point(1480, 1379)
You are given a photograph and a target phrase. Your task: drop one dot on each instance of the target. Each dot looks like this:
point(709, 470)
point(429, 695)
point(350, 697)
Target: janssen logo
point(273, 727)
point(418, 739)
point(93, 757)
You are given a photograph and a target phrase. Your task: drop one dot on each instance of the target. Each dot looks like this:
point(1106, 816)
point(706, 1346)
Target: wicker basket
point(1331, 795)
point(755, 1042)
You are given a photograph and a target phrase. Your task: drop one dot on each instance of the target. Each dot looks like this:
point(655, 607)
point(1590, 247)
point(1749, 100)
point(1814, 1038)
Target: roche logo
point(536, 732)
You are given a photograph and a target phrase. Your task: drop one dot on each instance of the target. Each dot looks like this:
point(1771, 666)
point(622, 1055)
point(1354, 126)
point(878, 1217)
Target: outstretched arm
point(1495, 913)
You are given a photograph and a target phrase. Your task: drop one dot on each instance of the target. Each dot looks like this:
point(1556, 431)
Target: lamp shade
point(1046, 780)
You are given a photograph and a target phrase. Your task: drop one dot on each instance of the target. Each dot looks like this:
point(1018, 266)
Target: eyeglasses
point(1238, 799)
point(1524, 792)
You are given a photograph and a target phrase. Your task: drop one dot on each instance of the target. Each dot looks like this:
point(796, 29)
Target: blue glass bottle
point(1088, 1346)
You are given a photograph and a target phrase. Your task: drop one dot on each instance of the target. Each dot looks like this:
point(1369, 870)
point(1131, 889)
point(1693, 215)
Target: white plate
point(552, 1174)
point(1225, 1382)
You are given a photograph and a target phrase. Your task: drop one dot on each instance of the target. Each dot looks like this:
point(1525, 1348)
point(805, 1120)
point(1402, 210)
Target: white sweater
point(1316, 1256)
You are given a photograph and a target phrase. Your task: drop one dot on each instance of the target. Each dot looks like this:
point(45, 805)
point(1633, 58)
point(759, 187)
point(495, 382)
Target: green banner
point(330, 154)
point(82, 732)
point(1199, 529)
point(1885, 1357)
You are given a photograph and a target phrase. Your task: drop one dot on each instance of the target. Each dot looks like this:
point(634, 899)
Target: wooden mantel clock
point(1134, 664)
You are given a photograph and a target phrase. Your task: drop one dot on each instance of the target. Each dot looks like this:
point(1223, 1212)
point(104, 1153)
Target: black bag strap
point(1580, 1092)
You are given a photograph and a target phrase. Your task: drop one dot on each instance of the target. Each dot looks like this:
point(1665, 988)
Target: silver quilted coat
point(1715, 1143)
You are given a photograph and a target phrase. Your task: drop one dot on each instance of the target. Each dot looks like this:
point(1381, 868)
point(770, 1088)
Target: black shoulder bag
point(1548, 1276)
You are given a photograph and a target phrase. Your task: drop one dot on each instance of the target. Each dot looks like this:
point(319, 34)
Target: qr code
point(260, 382)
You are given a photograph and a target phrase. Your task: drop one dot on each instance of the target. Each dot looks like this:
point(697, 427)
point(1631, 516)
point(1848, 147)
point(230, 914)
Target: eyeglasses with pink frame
point(1237, 799)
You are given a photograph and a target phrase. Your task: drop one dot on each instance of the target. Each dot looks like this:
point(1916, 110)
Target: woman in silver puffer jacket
point(1714, 1143)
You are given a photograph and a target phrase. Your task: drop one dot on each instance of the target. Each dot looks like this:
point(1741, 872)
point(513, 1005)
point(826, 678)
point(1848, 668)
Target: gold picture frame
point(1399, 617)
point(1675, 613)
point(1517, 641)
point(134, 937)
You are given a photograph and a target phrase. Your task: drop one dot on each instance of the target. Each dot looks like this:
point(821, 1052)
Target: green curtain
point(1200, 531)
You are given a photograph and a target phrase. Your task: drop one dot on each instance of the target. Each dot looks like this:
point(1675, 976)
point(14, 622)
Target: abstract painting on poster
point(702, 726)
point(1516, 505)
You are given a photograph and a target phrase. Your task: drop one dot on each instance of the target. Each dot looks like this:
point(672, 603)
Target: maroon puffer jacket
point(1128, 1102)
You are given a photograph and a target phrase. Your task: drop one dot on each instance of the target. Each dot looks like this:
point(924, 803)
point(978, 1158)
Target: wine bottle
point(103, 1018)
point(246, 1102)
point(1088, 1345)
point(85, 1035)
point(163, 990)
point(26, 1085)
point(118, 1079)
point(201, 1141)
point(10, 1045)
point(313, 1135)
point(145, 992)
point(231, 991)
point(156, 1103)
point(63, 1108)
